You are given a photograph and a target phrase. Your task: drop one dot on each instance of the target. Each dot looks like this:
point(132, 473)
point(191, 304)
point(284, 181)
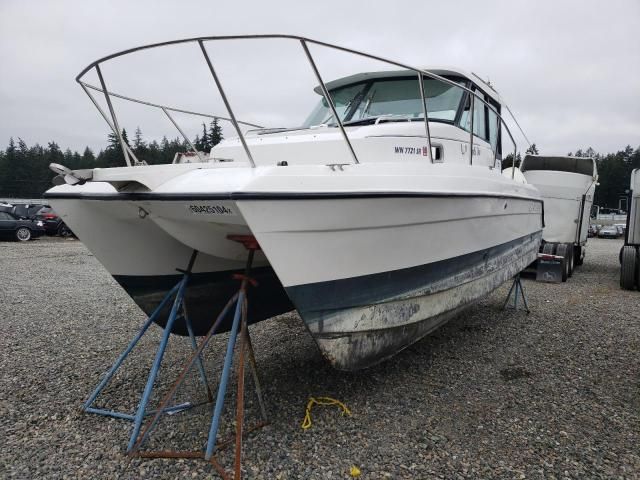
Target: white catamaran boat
point(378, 219)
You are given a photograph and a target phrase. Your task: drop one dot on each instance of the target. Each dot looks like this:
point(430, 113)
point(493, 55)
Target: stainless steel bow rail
point(239, 329)
point(112, 120)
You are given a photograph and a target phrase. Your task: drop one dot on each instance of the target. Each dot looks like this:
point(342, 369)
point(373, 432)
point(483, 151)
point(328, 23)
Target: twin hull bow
point(370, 269)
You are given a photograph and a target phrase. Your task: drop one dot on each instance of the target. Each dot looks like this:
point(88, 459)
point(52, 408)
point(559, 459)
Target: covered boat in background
point(567, 185)
point(380, 218)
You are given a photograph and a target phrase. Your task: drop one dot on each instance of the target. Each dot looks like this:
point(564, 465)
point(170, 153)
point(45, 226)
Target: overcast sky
point(569, 70)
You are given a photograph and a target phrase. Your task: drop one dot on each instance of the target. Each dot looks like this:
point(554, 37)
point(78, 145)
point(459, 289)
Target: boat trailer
point(239, 328)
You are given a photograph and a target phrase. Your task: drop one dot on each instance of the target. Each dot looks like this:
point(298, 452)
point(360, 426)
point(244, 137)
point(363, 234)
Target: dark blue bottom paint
point(206, 296)
point(315, 300)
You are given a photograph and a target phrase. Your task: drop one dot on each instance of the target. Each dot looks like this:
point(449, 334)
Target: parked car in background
point(27, 210)
point(53, 224)
point(21, 210)
point(622, 227)
point(610, 231)
point(21, 229)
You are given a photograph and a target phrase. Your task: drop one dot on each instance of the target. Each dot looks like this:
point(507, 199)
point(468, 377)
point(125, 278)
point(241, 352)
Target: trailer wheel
point(638, 269)
point(563, 251)
point(571, 260)
point(628, 270)
point(578, 255)
point(549, 248)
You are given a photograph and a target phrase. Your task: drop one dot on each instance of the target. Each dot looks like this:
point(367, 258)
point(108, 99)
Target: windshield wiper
point(385, 118)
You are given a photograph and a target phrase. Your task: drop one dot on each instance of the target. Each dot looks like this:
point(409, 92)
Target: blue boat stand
point(177, 293)
point(239, 328)
point(518, 291)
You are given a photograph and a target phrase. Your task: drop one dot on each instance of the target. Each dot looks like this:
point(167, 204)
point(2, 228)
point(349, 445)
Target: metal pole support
point(518, 291)
point(186, 368)
point(239, 330)
point(226, 371)
point(155, 367)
point(177, 294)
point(228, 360)
point(114, 368)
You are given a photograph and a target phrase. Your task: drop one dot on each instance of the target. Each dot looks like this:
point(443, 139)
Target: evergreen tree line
point(24, 170)
point(25, 173)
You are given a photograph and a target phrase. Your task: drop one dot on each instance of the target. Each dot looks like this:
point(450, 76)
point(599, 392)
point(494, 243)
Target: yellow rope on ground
point(306, 423)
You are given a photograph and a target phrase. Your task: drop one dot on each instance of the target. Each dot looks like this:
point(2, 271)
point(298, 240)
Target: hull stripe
point(169, 197)
point(314, 298)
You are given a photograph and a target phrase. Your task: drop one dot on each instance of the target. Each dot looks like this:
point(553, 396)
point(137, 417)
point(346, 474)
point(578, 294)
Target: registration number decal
point(412, 150)
point(211, 210)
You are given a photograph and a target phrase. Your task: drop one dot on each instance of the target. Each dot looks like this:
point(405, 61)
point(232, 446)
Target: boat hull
point(376, 316)
point(341, 271)
point(370, 272)
point(144, 259)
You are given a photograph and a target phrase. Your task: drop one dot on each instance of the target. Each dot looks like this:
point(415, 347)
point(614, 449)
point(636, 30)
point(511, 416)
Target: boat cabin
point(383, 116)
point(367, 98)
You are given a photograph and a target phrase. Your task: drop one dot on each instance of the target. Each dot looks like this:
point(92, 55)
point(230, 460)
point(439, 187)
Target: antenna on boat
point(488, 84)
point(517, 124)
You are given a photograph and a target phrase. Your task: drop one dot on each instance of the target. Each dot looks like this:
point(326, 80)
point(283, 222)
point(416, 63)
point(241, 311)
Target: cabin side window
point(443, 100)
point(480, 116)
point(494, 126)
point(464, 122)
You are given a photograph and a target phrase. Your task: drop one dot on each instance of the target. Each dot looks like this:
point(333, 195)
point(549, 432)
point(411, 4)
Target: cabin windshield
point(395, 97)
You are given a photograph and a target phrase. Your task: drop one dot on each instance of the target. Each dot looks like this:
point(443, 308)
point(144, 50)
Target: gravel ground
point(493, 394)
